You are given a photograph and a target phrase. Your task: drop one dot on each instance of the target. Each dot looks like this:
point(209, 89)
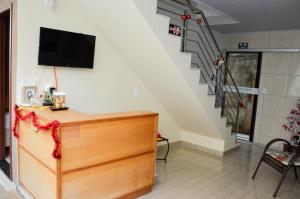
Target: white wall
point(109, 87)
point(155, 56)
point(280, 76)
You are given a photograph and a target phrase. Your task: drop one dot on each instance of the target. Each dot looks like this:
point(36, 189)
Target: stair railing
point(207, 56)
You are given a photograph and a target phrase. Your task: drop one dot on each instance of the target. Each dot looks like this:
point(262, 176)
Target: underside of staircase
point(140, 35)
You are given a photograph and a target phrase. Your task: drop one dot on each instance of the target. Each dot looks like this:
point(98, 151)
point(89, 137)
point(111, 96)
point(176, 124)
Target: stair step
point(195, 68)
point(222, 116)
point(228, 126)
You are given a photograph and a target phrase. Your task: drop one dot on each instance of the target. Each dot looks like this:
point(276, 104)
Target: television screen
point(66, 49)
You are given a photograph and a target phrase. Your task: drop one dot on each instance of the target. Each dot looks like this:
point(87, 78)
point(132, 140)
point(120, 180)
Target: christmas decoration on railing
point(199, 21)
point(53, 126)
point(186, 17)
point(293, 123)
point(241, 104)
point(219, 61)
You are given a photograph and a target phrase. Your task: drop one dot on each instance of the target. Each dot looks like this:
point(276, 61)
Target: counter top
point(72, 117)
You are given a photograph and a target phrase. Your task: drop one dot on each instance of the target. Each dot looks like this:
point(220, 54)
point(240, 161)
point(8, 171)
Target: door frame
point(3, 103)
point(257, 83)
point(4, 7)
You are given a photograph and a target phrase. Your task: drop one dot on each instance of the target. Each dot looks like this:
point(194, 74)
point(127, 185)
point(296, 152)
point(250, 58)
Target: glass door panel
point(244, 69)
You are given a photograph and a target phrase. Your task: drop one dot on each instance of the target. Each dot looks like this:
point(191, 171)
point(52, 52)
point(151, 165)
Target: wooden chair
point(280, 160)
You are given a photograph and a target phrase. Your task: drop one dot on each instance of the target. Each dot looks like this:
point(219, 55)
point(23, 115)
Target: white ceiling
point(252, 15)
point(214, 16)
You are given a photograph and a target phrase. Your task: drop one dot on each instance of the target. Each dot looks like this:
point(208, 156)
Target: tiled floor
point(8, 195)
point(191, 174)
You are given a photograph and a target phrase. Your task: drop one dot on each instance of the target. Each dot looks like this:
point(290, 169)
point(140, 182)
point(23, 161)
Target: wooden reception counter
point(103, 156)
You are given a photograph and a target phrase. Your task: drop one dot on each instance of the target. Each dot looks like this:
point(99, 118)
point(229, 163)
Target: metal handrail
point(209, 67)
point(200, 12)
point(206, 50)
point(205, 57)
point(198, 34)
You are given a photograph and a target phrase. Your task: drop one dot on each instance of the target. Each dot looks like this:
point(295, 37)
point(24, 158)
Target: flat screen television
point(66, 49)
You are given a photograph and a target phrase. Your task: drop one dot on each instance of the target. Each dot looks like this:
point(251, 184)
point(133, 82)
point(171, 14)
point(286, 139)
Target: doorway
point(245, 68)
point(5, 127)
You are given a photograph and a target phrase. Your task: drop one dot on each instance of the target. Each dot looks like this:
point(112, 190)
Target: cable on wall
point(55, 78)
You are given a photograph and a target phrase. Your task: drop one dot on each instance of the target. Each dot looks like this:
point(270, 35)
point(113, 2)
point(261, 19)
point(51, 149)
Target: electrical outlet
point(135, 92)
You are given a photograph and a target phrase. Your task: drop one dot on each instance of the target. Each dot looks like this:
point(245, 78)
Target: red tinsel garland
point(52, 125)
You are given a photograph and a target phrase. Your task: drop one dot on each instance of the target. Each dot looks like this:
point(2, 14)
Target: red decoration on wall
point(52, 125)
point(183, 17)
point(188, 16)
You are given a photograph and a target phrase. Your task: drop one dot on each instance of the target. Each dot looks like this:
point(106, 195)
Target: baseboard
point(24, 193)
point(233, 148)
point(173, 145)
point(218, 154)
point(259, 144)
point(177, 144)
point(11, 187)
point(6, 183)
point(203, 143)
point(198, 142)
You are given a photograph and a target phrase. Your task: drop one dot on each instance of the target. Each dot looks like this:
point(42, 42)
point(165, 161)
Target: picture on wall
point(174, 30)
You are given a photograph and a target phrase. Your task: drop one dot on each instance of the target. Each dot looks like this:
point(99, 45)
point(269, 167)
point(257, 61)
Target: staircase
point(193, 93)
point(198, 40)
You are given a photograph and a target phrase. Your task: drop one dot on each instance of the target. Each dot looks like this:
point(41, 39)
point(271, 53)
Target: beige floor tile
point(8, 195)
point(191, 174)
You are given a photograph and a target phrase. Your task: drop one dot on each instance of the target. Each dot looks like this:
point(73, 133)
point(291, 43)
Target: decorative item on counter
point(59, 100)
point(293, 124)
point(48, 101)
point(36, 101)
point(48, 97)
point(29, 92)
